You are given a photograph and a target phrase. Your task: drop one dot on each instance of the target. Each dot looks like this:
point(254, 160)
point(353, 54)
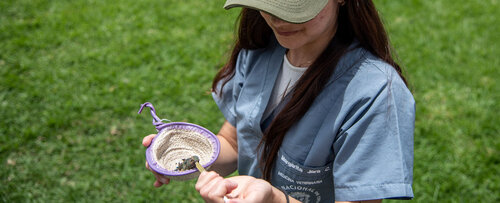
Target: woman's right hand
point(160, 179)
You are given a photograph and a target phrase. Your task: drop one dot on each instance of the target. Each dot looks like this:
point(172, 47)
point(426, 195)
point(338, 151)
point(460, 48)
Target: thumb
point(230, 185)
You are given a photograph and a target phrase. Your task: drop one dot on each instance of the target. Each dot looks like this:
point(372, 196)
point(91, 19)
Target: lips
point(286, 33)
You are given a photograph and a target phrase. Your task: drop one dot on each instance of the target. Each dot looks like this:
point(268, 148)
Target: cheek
point(315, 29)
point(325, 21)
point(321, 24)
point(265, 16)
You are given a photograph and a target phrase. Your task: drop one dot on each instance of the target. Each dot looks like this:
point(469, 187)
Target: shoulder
point(374, 71)
point(366, 73)
point(361, 78)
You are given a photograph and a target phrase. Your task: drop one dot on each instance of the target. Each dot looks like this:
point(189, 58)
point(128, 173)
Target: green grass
point(73, 74)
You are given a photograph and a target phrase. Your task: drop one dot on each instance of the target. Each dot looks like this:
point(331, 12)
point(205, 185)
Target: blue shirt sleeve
point(374, 149)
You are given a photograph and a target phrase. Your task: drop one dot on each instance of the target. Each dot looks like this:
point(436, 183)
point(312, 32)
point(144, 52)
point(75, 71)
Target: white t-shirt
point(287, 78)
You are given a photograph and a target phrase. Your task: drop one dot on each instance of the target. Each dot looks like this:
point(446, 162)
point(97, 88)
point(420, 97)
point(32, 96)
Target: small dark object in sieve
point(187, 164)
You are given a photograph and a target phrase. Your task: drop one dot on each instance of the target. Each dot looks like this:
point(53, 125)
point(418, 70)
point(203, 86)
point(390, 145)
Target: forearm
point(227, 161)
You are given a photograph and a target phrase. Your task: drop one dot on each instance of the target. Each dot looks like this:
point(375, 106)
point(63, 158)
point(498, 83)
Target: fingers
point(204, 179)
point(160, 179)
point(233, 201)
point(146, 141)
point(230, 185)
point(212, 187)
point(157, 183)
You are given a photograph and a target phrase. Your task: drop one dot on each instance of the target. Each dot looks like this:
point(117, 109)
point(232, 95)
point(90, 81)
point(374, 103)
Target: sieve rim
point(203, 131)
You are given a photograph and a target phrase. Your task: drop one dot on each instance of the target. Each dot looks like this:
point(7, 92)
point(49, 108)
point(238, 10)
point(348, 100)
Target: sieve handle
point(157, 122)
point(199, 167)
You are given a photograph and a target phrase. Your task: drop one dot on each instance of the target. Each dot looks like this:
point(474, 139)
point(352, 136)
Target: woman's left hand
point(212, 188)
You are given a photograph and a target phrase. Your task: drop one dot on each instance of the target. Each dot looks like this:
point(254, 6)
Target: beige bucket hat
point(293, 11)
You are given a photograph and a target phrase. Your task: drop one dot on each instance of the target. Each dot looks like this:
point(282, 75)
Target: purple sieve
point(161, 127)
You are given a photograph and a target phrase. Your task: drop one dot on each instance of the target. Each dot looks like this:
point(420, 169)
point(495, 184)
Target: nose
point(276, 20)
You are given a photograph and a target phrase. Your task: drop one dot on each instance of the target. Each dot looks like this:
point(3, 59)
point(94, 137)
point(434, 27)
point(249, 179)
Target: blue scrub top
point(354, 143)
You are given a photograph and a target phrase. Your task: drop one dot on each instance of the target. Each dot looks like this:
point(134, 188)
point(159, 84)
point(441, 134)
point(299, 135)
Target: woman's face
point(313, 34)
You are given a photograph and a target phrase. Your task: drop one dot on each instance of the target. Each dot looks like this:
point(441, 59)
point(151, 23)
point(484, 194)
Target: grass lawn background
point(73, 74)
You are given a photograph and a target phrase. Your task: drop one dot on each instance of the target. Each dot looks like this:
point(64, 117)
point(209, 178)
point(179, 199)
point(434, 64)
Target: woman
point(316, 108)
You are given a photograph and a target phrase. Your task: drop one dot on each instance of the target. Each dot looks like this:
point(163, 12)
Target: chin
point(289, 43)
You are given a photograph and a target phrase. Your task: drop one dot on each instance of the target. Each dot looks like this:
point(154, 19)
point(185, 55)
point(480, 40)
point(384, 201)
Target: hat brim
point(293, 12)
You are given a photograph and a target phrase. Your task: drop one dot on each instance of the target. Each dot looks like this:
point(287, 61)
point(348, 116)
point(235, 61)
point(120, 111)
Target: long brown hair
point(357, 20)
